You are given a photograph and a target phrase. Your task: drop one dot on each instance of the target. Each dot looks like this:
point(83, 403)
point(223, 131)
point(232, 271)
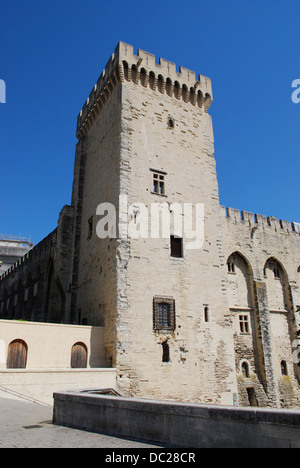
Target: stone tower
point(145, 134)
point(197, 302)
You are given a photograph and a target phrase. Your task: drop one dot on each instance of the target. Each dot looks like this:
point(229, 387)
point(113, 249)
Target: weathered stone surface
point(235, 297)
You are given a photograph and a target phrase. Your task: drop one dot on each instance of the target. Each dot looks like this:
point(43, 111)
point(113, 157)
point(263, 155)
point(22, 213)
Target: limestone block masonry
point(212, 325)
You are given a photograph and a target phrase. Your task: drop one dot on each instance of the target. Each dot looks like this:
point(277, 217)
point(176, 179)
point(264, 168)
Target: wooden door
point(79, 356)
point(17, 355)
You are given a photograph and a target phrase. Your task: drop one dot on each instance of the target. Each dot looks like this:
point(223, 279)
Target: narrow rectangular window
point(176, 247)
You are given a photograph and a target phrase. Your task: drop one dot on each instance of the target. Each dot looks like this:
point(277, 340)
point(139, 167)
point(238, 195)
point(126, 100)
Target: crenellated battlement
point(257, 220)
point(143, 69)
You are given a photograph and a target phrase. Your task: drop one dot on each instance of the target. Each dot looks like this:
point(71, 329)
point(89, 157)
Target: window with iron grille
point(176, 247)
point(163, 314)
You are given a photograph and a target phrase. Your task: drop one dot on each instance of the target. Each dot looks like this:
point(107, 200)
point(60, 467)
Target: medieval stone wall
point(214, 324)
point(37, 288)
point(263, 286)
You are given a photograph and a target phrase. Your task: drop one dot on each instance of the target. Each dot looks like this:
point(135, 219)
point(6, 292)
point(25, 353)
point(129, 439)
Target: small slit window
point(206, 314)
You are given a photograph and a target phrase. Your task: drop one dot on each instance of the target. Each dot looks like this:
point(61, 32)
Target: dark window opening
point(166, 352)
point(206, 314)
point(284, 370)
point(171, 123)
point(176, 247)
point(245, 370)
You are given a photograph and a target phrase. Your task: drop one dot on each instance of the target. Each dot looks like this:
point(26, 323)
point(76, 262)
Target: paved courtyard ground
point(29, 425)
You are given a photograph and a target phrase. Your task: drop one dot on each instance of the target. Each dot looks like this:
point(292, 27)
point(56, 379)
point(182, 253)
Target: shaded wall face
point(97, 257)
point(272, 254)
point(23, 288)
point(38, 287)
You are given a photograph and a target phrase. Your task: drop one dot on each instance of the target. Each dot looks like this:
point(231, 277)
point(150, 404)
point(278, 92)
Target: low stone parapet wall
point(178, 424)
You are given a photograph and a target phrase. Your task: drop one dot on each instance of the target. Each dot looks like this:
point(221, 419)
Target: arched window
point(79, 356)
point(17, 355)
point(277, 285)
point(284, 370)
point(166, 352)
point(245, 370)
point(239, 282)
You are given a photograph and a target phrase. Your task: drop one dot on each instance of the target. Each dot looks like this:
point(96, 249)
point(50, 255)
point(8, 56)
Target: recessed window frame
point(176, 247)
point(165, 352)
point(158, 182)
point(244, 324)
point(161, 307)
point(245, 370)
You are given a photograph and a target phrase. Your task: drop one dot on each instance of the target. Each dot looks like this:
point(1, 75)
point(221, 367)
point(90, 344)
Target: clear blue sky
point(52, 53)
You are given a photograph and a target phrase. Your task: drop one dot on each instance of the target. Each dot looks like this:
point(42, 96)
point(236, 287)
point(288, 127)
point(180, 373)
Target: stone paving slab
point(29, 425)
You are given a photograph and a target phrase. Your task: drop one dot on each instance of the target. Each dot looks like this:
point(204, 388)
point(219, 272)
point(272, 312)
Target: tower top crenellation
point(182, 84)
